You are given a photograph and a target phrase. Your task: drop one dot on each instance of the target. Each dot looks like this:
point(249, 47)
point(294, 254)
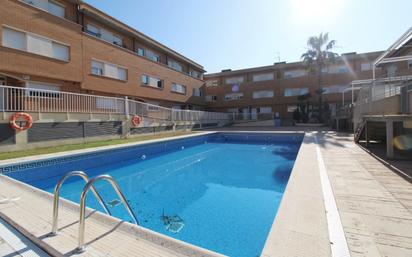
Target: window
point(174, 65)
point(263, 77)
point(177, 88)
point(234, 80)
point(152, 56)
point(342, 69)
point(195, 74)
point(292, 108)
point(294, 74)
point(49, 6)
point(42, 4)
point(336, 69)
point(152, 82)
point(35, 44)
point(233, 110)
point(211, 98)
point(410, 64)
point(366, 66)
point(212, 83)
point(38, 89)
point(117, 40)
point(121, 74)
point(56, 9)
point(335, 89)
point(108, 70)
point(104, 34)
point(60, 51)
point(296, 91)
point(197, 92)
point(265, 110)
point(97, 68)
point(263, 94)
point(391, 70)
point(140, 51)
point(14, 39)
point(233, 96)
point(93, 30)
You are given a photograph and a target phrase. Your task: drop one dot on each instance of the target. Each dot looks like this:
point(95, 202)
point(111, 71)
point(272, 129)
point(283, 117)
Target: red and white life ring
point(28, 120)
point(136, 120)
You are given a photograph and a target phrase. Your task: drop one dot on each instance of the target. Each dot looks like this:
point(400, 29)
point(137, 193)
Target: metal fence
point(369, 96)
point(14, 99)
point(250, 116)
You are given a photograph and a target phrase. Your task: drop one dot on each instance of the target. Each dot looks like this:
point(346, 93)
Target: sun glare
point(315, 9)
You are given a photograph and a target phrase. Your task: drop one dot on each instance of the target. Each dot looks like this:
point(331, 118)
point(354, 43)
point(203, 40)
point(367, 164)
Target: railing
point(82, 247)
point(15, 99)
point(163, 113)
point(369, 94)
point(250, 116)
point(56, 197)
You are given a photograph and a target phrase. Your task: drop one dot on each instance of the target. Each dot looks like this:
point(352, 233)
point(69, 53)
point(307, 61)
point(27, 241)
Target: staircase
point(359, 131)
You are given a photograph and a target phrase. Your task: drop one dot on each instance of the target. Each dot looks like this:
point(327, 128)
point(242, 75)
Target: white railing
point(163, 113)
point(250, 116)
point(16, 99)
point(369, 94)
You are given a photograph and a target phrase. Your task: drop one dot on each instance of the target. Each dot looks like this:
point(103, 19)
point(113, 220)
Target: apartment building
point(276, 88)
point(67, 45)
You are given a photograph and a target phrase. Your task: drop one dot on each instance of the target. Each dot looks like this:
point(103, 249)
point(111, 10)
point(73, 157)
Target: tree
point(318, 55)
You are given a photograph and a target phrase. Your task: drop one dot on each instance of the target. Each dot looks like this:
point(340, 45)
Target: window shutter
point(14, 39)
point(106, 35)
point(43, 4)
point(92, 29)
point(110, 70)
point(121, 73)
point(56, 9)
point(60, 51)
point(39, 45)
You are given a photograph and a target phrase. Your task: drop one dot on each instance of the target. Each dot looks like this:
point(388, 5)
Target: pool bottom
point(220, 196)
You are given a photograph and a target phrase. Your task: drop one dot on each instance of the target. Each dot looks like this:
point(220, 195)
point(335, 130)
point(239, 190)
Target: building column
point(337, 124)
point(389, 139)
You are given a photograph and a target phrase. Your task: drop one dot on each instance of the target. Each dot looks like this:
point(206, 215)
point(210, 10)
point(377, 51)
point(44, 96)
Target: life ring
point(27, 118)
point(136, 120)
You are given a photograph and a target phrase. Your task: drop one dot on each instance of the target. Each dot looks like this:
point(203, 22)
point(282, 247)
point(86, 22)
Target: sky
point(237, 34)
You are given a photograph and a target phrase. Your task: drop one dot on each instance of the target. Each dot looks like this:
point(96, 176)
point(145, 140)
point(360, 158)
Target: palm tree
point(317, 57)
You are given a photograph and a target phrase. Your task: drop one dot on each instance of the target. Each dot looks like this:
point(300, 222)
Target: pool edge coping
point(98, 149)
point(286, 213)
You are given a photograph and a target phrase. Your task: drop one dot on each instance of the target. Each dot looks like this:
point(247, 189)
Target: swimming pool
point(219, 191)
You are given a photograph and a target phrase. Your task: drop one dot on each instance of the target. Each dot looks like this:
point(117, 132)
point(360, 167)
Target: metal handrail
point(82, 247)
point(57, 196)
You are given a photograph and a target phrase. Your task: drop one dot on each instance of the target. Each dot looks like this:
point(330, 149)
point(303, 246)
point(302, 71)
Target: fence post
point(126, 107)
point(125, 122)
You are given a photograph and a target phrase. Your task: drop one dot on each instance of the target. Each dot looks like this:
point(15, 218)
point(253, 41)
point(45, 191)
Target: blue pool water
point(219, 191)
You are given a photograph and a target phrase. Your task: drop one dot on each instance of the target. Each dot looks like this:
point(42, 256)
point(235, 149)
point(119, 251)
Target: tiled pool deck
point(374, 204)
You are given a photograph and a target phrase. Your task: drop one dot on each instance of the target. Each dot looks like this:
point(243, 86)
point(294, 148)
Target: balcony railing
point(19, 99)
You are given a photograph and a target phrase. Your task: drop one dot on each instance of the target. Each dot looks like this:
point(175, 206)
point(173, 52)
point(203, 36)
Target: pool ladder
point(89, 186)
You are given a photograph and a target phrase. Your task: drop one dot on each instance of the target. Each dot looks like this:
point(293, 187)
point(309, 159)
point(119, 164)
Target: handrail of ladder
point(57, 196)
point(82, 247)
